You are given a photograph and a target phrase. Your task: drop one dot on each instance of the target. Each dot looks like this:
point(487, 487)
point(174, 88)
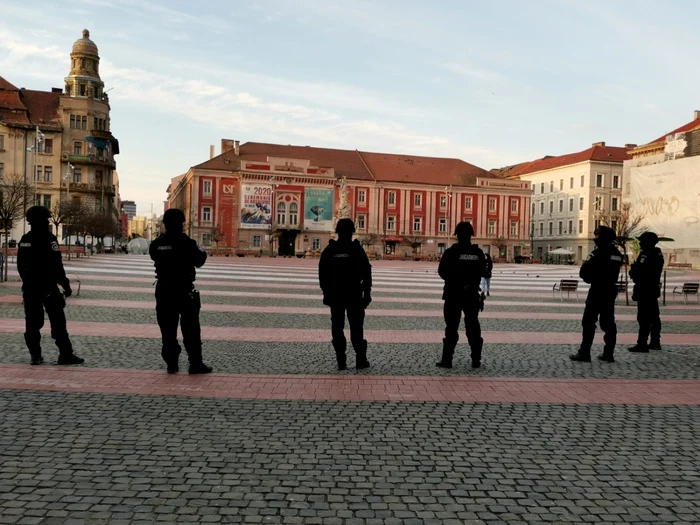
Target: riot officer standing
point(461, 267)
point(176, 256)
point(345, 277)
point(601, 270)
point(646, 274)
point(41, 269)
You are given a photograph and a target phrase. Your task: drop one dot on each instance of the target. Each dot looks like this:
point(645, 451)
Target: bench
point(243, 253)
point(565, 285)
point(680, 265)
point(686, 290)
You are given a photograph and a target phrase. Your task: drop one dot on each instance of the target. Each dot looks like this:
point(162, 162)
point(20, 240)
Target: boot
point(70, 359)
point(201, 368)
point(580, 358)
point(37, 359)
point(639, 348)
point(173, 368)
point(656, 345)
point(341, 358)
point(448, 351)
point(607, 358)
point(476, 355)
point(361, 359)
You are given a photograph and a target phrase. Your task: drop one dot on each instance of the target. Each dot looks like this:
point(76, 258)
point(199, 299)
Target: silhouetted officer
point(176, 256)
point(345, 277)
point(601, 270)
point(646, 274)
point(41, 269)
point(461, 267)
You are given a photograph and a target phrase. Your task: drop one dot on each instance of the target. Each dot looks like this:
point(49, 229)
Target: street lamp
point(273, 211)
point(448, 198)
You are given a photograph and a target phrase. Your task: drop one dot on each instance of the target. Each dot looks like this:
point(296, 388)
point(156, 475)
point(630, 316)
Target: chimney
point(211, 151)
point(60, 90)
point(601, 144)
point(696, 114)
point(226, 145)
point(630, 146)
point(236, 147)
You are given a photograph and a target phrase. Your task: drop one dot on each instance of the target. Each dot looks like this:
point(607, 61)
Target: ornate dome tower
point(84, 78)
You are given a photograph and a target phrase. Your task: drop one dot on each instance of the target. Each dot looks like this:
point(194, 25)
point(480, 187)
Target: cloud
point(474, 72)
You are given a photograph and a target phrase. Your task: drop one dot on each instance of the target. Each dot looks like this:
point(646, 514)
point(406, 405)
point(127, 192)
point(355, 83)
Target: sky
point(493, 83)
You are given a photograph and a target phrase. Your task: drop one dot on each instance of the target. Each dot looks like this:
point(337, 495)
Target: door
point(286, 243)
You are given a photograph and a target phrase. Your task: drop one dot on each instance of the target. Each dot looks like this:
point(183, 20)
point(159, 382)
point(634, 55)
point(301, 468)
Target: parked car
point(519, 259)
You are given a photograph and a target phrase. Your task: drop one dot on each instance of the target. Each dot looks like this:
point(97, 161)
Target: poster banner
point(228, 211)
point(318, 209)
point(256, 206)
point(668, 196)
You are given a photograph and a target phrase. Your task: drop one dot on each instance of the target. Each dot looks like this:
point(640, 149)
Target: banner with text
point(318, 209)
point(228, 211)
point(256, 206)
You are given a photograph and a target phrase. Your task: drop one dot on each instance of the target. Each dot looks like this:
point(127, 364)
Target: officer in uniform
point(345, 277)
point(41, 269)
point(646, 274)
point(461, 267)
point(601, 270)
point(175, 257)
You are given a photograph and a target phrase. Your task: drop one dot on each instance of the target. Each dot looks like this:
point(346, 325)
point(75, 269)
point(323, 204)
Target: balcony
point(82, 187)
point(91, 159)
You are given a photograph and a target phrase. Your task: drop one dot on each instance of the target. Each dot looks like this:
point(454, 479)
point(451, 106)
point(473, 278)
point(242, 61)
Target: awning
point(560, 251)
point(393, 238)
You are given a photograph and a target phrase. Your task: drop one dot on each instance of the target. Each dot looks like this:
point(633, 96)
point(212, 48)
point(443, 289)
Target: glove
point(67, 291)
point(367, 299)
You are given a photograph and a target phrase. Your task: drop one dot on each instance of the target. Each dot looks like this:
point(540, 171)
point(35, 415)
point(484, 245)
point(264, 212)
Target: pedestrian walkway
point(276, 435)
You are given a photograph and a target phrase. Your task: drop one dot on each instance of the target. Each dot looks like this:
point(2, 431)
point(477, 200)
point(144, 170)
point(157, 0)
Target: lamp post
point(273, 212)
point(448, 198)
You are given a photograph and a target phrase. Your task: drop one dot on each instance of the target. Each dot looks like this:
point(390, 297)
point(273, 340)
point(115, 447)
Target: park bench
point(680, 265)
point(565, 285)
point(686, 290)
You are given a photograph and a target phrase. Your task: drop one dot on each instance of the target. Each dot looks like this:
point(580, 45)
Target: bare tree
point(15, 197)
point(60, 214)
point(626, 224)
point(415, 242)
point(78, 222)
point(101, 225)
point(500, 243)
point(217, 235)
point(369, 239)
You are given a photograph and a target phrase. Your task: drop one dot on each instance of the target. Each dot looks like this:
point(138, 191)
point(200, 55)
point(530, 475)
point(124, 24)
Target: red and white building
point(272, 197)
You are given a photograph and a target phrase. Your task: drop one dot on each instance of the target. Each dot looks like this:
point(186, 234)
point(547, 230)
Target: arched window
point(293, 214)
point(281, 213)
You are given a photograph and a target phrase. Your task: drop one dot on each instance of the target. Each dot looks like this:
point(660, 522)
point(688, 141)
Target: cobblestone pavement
point(278, 436)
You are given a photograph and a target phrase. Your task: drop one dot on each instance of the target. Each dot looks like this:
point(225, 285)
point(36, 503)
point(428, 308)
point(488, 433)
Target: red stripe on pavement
point(351, 388)
point(304, 335)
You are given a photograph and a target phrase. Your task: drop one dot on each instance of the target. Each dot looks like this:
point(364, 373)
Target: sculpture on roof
point(344, 211)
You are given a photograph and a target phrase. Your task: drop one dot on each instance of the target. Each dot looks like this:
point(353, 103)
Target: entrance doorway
point(286, 243)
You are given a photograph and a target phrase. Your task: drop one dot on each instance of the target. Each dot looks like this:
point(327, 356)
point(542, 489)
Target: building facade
point(129, 207)
point(570, 195)
point(60, 141)
point(286, 200)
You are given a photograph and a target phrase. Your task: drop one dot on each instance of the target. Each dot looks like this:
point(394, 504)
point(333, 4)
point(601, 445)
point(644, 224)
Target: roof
point(26, 107)
point(505, 171)
point(359, 165)
point(596, 153)
point(5, 85)
point(690, 126)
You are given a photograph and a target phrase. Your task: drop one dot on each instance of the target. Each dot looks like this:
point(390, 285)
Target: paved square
point(276, 435)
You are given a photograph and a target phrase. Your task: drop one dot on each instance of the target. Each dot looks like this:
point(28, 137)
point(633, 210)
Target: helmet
point(345, 226)
point(173, 217)
point(37, 214)
point(648, 237)
point(605, 233)
point(464, 229)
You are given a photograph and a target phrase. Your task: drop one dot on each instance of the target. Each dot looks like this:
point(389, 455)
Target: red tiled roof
point(594, 153)
point(28, 107)
point(360, 165)
point(690, 126)
point(6, 86)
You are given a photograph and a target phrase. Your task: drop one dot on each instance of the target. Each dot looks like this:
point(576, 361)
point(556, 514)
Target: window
point(492, 227)
point(542, 187)
point(417, 222)
point(76, 201)
point(2, 170)
point(598, 204)
point(293, 214)
point(391, 197)
point(95, 123)
point(77, 148)
point(37, 199)
point(281, 213)
point(417, 200)
point(361, 222)
point(541, 208)
point(37, 175)
point(561, 184)
point(613, 204)
point(77, 175)
point(206, 239)
point(442, 225)
point(596, 224)
point(583, 180)
point(513, 228)
point(443, 202)
point(599, 180)
point(2, 142)
point(561, 205)
point(361, 196)
point(72, 121)
point(533, 209)
point(315, 243)
point(391, 223)
point(613, 225)
point(580, 204)
point(48, 146)
point(551, 186)
point(541, 229)
point(571, 183)
point(82, 90)
point(206, 214)
point(580, 226)
point(84, 126)
point(48, 173)
point(560, 228)
point(616, 181)
point(571, 204)
point(514, 205)
point(551, 228)
point(492, 204)
point(551, 207)
point(467, 203)
point(82, 63)
point(257, 241)
point(571, 227)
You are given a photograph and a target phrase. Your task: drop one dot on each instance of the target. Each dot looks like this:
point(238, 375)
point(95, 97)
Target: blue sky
point(493, 83)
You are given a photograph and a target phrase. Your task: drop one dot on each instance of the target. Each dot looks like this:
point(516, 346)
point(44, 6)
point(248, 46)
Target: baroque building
point(60, 140)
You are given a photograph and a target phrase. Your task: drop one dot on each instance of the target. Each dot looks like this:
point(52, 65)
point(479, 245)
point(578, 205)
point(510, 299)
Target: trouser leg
point(608, 326)
point(452, 312)
point(33, 322)
point(644, 323)
point(655, 323)
point(338, 334)
point(356, 320)
point(191, 330)
point(588, 325)
point(473, 329)
point(168, 319)
point(55, 305)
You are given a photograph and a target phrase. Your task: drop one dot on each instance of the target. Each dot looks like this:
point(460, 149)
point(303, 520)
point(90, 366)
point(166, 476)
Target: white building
point(569, 193)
